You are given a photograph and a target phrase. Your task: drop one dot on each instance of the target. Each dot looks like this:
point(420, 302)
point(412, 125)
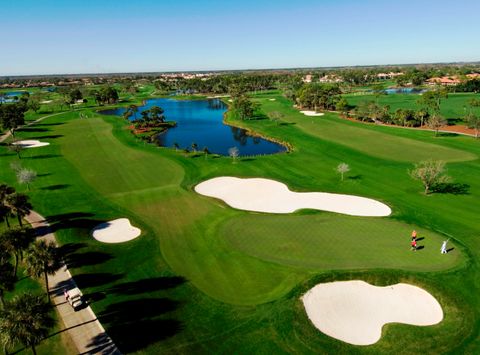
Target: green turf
point(95, 170)
point(335, 242)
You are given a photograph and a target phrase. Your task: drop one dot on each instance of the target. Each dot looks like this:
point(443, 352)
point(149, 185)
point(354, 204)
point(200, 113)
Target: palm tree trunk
point(33, 350)
point(20, 219)
point(2, 301)
point(7, 221)
point(46, 285)
point(16, 265)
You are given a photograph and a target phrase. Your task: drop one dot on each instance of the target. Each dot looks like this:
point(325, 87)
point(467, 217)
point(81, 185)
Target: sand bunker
point(31, 143)
point(264, 195)
point(116, 231)
point(312, 113)
point(355, 311)
point(273, 99)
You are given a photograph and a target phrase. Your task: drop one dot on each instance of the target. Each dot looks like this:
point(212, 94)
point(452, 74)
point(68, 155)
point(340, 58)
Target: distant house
point(330, 79)
point(307, 78)
point(473, 76)
point(387, 76)
point(444, 80)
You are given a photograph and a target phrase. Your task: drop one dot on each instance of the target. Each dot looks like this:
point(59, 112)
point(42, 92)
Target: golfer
point(414, 235)
point(414, 244)
point(443, 250)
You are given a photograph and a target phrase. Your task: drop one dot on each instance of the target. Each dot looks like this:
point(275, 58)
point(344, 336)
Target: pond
point(11, 95)
point(404, 91)
point(201, 122)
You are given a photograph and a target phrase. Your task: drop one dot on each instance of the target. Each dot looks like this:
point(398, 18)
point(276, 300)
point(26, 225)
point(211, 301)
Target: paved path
point(82, 326)
point(7, 134)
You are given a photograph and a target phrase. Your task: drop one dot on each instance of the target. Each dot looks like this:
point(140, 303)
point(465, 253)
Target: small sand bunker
point(31, 143)
point(264, 195)
point(273, 99)
point(116, 231)
point(355, 311)
point(312, 113)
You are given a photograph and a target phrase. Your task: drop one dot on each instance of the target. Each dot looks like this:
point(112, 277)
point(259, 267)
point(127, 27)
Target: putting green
point(334, 242)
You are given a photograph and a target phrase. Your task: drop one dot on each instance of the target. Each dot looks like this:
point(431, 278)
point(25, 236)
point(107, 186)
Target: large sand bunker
point(312, 113)
point(31, 143)
point(355, 311)
point(116, 231)
point(264, 195)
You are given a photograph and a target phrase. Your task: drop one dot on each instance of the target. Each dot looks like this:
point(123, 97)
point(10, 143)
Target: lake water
point(404, 91)
point(201, 122)
point(9, 96)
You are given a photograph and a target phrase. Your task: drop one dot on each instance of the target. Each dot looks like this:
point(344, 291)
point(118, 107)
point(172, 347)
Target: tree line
point(26, 318)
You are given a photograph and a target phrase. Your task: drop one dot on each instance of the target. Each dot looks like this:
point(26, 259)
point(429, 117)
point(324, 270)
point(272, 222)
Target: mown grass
point(183, 286)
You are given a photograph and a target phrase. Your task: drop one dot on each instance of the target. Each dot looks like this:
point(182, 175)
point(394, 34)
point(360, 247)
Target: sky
point(108, 36)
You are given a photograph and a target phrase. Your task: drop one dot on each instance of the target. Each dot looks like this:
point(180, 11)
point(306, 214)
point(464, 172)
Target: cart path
point(7, 134)
point(83, 327)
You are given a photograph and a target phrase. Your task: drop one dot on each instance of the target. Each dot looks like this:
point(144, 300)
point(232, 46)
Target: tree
point(156, 114)
point(342, 168)
point(26, 319)
point(275, 116)
point(473, 121)
point(26, 176)
point(176, 145)
point(17, 148)
point(12, 116)
point(243, 107)
point(194, 147)
point(233, 153)
point(19, 205)
point(7, 278)
point(42, 259)
point(133, 109)
point(5, 209)
point(342, 106)
point(206, 152)
point(33, 105)
point(15, 241)
point(421, 115)
point(430, 173)
point(435, 122)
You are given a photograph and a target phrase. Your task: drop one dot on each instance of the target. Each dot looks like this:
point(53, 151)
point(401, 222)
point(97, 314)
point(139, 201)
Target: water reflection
point(200, 124)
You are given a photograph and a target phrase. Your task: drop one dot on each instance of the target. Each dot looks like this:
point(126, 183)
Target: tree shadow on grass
point(96, 279)
point(55, 187)
point(355, 177)
point(447, 134)
point(45, 156)
point(87, 259)
point(78, 220)
point(50, 124)
point(148, 285)
point(136, 324)
point(31, 129)
point(452, 188)
point(51, 136)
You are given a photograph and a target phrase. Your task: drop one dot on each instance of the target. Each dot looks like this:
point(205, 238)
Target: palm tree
point(42, 259)
point(26, 319)
point(19, 206)
point(194, 147)
point(7, 280)
point(176, 145)
point(5, 210)
point(16, 241)
point(133, 109)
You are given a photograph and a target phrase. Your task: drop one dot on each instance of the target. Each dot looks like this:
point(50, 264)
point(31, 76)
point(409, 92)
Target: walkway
point(82, 326)
point(7, 134)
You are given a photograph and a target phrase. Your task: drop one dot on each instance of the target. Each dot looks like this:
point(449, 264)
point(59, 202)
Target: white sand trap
point(116, 231)
point(46, 101)
point(312, 113)
point(355, 311)
point(273, 99)
point(264, 195)
point(31, 143)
